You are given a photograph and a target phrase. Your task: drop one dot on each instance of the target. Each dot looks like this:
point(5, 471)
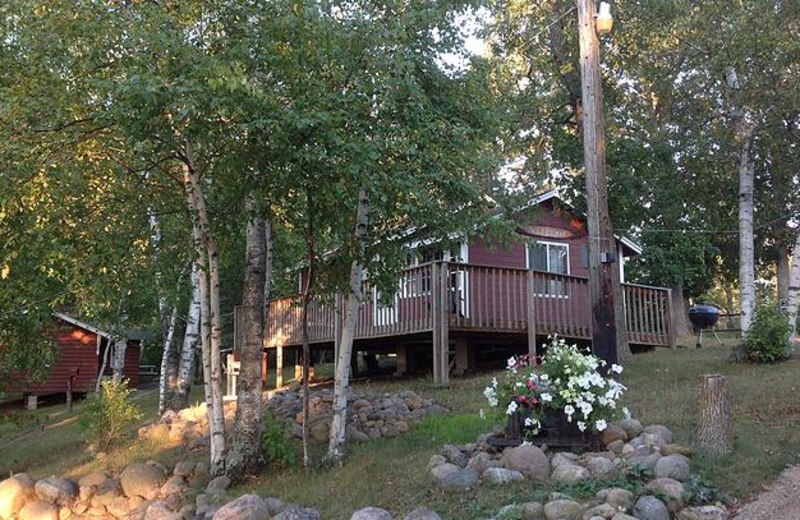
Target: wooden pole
point(601, 238)
point(715, 429)
point(531, 314)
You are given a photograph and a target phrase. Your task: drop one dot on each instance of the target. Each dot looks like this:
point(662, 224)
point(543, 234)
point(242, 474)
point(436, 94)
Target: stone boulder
point(662, 431)
point(483, 461)
point(14, 492)
point(159, 510)
point(458, 479)
point(702, 513)
point(295, 512)
point(605, 511)
point(563, 510)
point(500, 476)
point(88, 484)
point(620, 498)
point(650, 508)
point(372, 513)
point(570, 474)
point(107, 492)
point(56, 491)
point(246, 507)
point(454, 455)
point(218, 485)
point(142, 480)
point(669, 488)
point(673, 466)
point(528, 460)
point(39, 510)
point(602, 468)
point(613, 433)
point(422, 513)
point(632, 427)
point(532, 511)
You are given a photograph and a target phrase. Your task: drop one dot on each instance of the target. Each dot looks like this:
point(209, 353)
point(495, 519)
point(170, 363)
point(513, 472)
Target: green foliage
point(699, 491)
point(108, 414)
point(681, 259)
point(279, 448)
point(767, 341)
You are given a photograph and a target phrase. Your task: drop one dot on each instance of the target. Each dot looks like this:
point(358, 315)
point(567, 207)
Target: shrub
point(767, 341)
point(108, 413)
point(279, 448)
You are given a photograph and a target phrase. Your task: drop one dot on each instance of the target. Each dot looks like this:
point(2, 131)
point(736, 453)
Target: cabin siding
point(77, 356)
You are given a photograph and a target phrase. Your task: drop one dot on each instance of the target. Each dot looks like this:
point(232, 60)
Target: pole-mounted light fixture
point(604, 22)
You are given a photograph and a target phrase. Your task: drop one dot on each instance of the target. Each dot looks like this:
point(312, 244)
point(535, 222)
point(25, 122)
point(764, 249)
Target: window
point(549, 257)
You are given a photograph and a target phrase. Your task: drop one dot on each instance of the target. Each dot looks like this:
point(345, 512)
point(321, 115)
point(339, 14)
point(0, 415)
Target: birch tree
point(180, 395)
point(794, 288)
point(246, 453)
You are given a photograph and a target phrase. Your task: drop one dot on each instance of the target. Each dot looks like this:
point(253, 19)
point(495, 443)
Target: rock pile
point(141, 491)
point(368, 417)
point(630, 449)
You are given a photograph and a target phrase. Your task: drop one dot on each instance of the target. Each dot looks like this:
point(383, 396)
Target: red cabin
point(461, 309)
point(81, 349)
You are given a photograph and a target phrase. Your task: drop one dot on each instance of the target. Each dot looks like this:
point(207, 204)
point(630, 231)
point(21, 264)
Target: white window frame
point(547, 244)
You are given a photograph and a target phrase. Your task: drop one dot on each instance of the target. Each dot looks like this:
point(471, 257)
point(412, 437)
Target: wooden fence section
point(464, 297)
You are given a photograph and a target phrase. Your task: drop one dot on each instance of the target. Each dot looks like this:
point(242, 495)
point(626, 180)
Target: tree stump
point(715, 430)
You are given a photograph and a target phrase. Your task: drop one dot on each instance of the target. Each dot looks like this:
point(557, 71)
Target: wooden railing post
point(673, 340)
point(531, 315)
point(441, 322)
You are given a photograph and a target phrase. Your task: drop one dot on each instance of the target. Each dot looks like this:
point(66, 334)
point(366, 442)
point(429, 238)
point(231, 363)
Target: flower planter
point(556, 432)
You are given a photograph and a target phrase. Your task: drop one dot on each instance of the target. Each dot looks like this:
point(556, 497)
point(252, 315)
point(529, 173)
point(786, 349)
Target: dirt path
point(780, 502)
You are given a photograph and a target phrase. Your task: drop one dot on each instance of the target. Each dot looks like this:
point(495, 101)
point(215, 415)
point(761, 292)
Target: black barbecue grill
point(704, 317)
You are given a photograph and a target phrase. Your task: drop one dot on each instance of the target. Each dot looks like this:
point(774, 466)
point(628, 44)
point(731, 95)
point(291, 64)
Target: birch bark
point(169, 319)
point(118, 358)
point(180, 396)
point(336, 447)
point(793, 296)
point(200, 214)
point(245, 455)
point(747, 281)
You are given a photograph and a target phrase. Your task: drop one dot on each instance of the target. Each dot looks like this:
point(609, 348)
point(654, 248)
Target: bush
point(108, 413)
point(279, 448)
point(767, 341)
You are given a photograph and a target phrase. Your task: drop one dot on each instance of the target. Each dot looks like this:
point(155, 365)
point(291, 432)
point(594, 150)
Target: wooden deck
point(442, 297)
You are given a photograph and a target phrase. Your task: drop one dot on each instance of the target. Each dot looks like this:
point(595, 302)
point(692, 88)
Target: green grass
point(663, 388)
point(391, 473)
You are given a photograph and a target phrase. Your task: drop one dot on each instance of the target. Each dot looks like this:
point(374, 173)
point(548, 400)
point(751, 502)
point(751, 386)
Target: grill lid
point(703, 316)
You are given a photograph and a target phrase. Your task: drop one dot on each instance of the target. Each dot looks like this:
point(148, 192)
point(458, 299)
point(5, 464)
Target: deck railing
point(474, 297)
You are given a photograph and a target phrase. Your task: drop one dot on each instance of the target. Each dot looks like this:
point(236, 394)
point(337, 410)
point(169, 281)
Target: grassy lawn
point(391, 473)
point(663, 388)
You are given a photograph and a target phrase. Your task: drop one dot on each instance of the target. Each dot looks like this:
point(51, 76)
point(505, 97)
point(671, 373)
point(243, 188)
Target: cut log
point(715, 430)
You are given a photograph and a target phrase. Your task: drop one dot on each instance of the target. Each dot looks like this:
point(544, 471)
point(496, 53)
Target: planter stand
point(556, 434)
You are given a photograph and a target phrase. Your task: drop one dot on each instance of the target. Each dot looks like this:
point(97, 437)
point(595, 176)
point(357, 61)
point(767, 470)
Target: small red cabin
point(81, 349)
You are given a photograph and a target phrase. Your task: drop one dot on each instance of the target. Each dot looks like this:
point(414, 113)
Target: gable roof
point(626, 242)
point(82, 325)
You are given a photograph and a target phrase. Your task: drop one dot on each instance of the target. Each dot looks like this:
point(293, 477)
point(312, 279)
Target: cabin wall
point(544, 221)
point(77, 356)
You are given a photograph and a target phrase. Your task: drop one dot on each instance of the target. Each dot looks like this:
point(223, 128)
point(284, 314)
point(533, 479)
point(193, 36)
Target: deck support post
point(462, 356)
point(278, 366)
point(441, 329)
point(531, 315)
point(402, 361)
point(32, 402)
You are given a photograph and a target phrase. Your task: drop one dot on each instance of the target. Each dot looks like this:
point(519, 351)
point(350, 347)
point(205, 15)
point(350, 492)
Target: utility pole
point(603, 267)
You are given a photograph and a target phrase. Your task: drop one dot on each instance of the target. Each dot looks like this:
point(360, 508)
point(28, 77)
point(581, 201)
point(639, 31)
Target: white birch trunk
point(338, 433)
point(118, 358)
point(217, 412)
point(180, 397)
point(167, 357)
point(747, 280)
point(793, 297)
point(103, 365)
point(245, 456)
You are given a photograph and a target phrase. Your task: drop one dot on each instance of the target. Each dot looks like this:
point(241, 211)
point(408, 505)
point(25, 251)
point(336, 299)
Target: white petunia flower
point(512, 407)
point(528, 422)
point(546, 398)
point(569, 409)
point(617, 369)
point(582, 426)
point(601, 425)
point(626, 413)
